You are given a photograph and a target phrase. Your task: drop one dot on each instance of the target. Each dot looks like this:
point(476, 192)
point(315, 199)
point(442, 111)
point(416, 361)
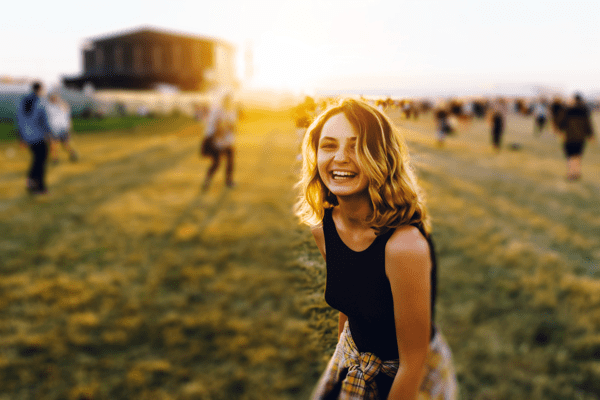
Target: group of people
point(41, 125)
point(571, 122)
point(44, 124)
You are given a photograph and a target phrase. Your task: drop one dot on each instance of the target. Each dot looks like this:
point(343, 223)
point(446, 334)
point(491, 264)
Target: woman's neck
point(355, 211)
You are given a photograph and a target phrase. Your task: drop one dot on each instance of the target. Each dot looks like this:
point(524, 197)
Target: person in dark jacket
point(443, 126)
point(497, 116)
point(35, 132)
point(575, 129)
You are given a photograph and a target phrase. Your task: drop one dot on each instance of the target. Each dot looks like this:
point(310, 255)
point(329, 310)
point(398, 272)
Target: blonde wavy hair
point(381, 151)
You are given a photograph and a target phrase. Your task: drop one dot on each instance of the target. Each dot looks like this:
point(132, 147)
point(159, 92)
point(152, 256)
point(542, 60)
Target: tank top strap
point(328, 224)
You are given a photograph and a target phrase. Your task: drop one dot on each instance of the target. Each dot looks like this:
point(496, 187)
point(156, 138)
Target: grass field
point(84, 125)
point(7, 131)
point(128, 282)
point(109, 123)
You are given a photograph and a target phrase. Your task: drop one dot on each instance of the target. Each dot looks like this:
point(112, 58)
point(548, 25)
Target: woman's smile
point(342, 175)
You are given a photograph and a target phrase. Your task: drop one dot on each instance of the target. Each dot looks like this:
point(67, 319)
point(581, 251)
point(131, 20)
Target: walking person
point(540, 113)
point(575, 129)
point(370, 223)
point(59, 119)
point(219, 140)
point(34, 132)
point(497, 119)
point(443, 126)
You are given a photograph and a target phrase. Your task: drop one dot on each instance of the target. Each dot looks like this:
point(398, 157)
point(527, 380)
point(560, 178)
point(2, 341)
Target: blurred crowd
point(569, 119)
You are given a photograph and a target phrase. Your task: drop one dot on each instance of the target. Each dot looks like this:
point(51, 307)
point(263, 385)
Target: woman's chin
point(348, 192)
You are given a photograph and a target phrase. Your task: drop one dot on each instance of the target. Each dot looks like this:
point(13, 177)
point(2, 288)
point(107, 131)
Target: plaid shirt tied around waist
point(351, 374)
point(355, 370)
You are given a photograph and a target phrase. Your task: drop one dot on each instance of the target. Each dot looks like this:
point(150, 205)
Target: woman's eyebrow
point(333, 139)
point(329, 138)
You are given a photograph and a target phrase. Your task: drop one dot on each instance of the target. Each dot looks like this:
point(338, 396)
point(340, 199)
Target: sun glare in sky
point(333, 44)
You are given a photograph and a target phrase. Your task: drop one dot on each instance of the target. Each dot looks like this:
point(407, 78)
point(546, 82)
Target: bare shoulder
point(407, 239)
point(407, 248)
point(319, 236)
point(317, 231)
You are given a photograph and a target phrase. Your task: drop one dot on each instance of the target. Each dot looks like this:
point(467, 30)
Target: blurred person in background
point(468, 110)
point(497, 117)
point(407, 109)
point(35, 132)
point(540, 113)
point(370, 223)
point(443, 125)
point(220, 136)
point(59, 119)
point(200, 116)
point(575, 129)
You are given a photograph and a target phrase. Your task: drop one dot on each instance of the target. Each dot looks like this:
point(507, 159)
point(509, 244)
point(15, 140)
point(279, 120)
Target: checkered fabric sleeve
point(350, 374)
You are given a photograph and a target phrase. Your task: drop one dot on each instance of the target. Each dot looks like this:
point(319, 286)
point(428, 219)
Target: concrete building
point(145, 58)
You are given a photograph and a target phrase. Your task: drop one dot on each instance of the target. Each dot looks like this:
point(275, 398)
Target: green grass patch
point(7, 132)
point(132, 124)
point(109, 123)
point(127, 123)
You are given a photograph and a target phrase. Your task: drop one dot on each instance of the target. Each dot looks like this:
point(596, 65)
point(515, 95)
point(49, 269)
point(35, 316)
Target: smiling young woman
point(337, 163)
point(370, 223)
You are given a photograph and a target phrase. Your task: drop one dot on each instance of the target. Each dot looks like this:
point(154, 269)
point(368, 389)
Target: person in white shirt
point(59, 119)
point(220, 129)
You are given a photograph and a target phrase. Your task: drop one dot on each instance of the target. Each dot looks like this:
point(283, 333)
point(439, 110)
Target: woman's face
point(337, 163)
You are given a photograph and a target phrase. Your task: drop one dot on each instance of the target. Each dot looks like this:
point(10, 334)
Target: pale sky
point(331, 44)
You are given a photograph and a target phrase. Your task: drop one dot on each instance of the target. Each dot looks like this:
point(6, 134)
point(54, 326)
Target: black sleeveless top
point(358, 286)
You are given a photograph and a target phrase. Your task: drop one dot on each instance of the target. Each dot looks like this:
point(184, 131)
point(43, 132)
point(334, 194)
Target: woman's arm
point(408, 267)
point(319, 236)
point(342, 320)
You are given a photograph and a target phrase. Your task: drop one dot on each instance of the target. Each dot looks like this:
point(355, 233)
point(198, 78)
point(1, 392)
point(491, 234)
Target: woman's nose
point(341, 154)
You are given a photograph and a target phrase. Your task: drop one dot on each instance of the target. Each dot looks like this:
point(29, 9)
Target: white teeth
point(342, 174)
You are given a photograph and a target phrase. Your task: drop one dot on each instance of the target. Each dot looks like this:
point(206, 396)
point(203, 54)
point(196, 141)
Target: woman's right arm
point(342, 320)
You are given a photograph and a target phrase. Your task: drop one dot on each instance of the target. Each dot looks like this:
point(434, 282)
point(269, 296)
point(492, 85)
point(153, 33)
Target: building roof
point(145, 30)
